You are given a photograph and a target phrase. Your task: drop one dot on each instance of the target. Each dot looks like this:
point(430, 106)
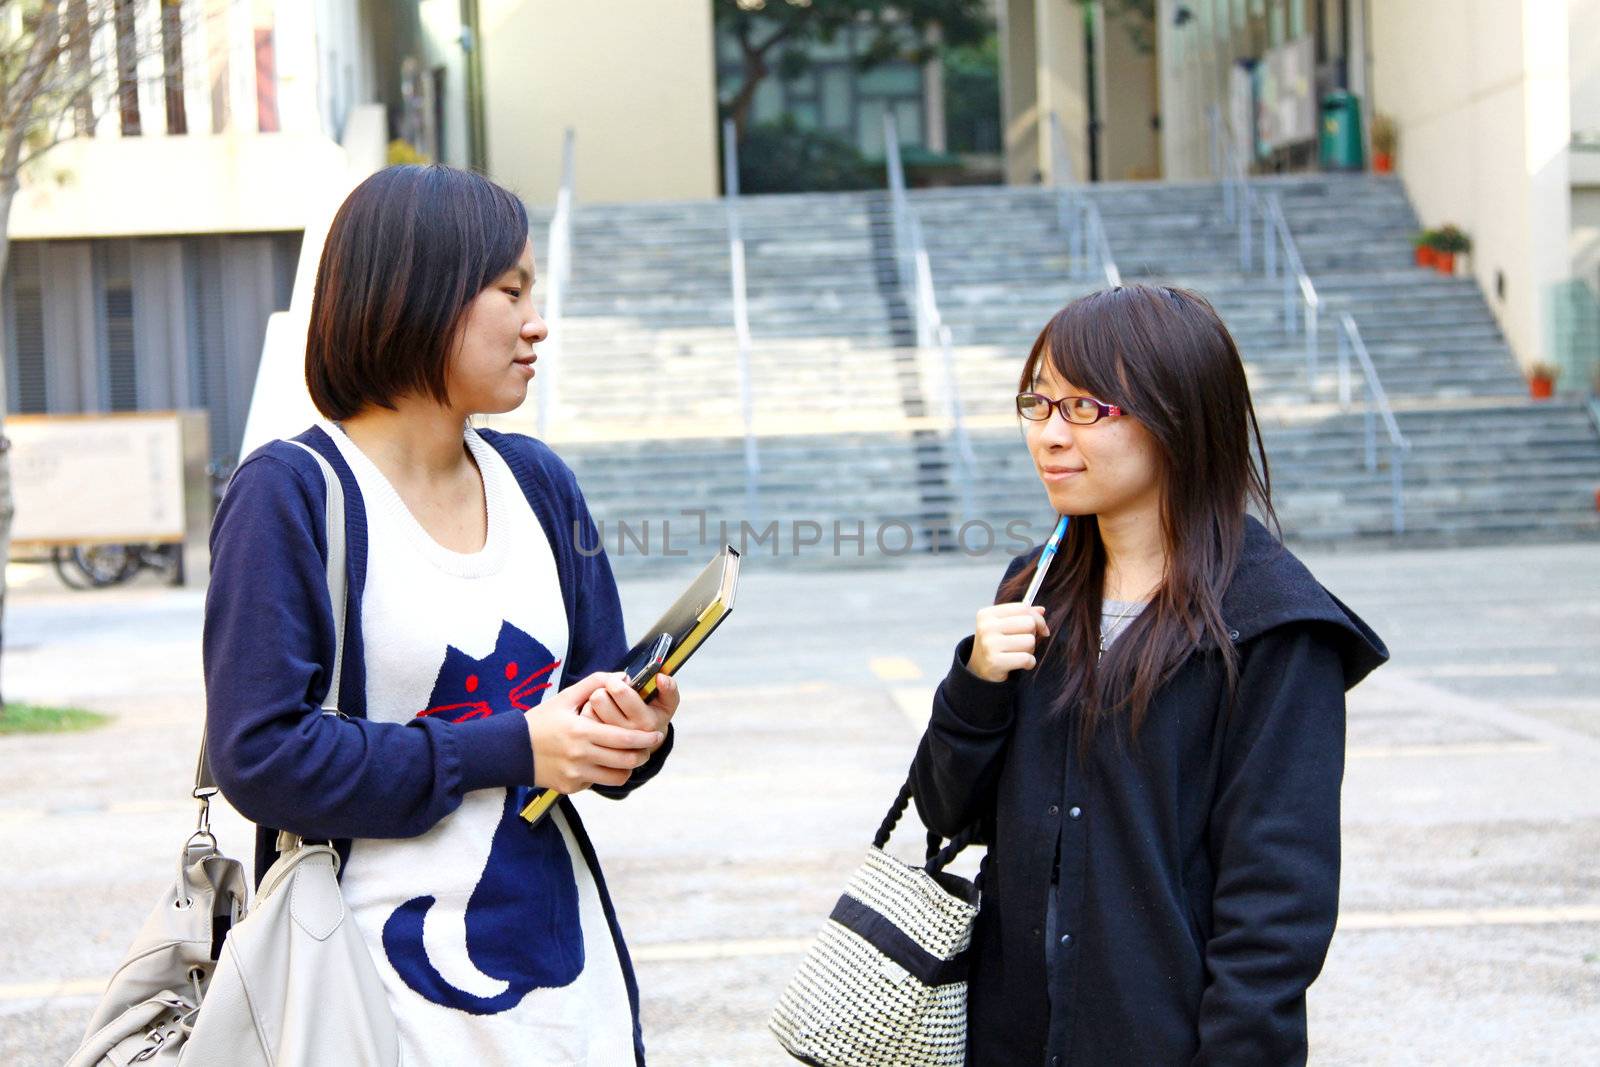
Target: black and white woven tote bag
point(885, 983)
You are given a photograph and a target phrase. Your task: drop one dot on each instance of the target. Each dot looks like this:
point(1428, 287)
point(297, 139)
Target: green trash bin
point(1341, 132)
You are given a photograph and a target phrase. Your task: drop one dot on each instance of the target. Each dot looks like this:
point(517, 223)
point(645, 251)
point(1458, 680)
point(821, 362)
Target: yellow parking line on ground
point(1487, 670)
point(1440, 918)
point(894, 669)
point(1456, 748)
point(915, 703)
point(767, 947)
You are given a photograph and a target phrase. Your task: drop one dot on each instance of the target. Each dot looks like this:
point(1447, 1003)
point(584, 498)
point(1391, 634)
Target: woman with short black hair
point(1153, 751)
point(467, 599)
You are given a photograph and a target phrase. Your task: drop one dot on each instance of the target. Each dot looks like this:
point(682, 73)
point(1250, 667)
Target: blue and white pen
point(1045, 558)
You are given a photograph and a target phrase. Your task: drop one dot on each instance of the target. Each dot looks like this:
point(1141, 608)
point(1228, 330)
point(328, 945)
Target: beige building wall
point(1584, 36)
point(1480, 91)
point(1019, 92)
point(1043, 70)
point(1128, 99)
point(634, 78)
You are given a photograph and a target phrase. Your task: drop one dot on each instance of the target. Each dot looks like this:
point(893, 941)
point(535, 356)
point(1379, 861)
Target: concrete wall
point(1480, 92)
point(1129, 146)
point(140, 186)
point(634, 78)
point(1584, 36)
point(1019, 92)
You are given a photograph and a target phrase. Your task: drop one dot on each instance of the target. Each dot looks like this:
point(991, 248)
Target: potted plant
point(1448, 242)
point(1422, 242)
point(1542, 380)
point(1385, 136)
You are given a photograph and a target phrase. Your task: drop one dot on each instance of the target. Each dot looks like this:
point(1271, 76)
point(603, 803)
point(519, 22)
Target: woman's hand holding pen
point(572, 751)
point(618, 705)
point(1004, 640)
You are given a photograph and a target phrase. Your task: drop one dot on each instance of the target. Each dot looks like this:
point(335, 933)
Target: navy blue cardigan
point(269, 648)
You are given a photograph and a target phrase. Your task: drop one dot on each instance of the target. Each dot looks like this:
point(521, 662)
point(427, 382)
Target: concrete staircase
point(849, 413)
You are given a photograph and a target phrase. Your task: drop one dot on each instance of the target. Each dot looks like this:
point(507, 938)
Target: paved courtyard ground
point(1470, 929)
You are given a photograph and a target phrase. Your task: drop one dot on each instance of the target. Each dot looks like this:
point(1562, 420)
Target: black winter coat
point(1199, 865)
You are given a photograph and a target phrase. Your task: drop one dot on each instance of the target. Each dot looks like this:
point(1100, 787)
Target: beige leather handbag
point(285, 982)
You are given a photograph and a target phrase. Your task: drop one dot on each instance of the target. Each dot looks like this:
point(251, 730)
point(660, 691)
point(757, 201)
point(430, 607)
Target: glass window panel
point(891, 79)
point(836, 96)
point(768, 104)
point(908, 121)
point(1297, 19)
point(837, 49)
point(804, 114)
point(869, 128)
point(1276, 24)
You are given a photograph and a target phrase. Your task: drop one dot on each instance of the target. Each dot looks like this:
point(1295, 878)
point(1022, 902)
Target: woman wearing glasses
point(475, 629)
point(1153, 750)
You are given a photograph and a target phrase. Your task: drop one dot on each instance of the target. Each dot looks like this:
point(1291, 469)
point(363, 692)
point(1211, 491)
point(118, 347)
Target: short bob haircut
point(408, 251)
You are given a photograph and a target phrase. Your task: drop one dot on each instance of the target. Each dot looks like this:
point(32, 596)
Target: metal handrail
point(1078, 215)
point(1229, 169)
point(915, 268)
point(1294, 275)
point(741, 316)
point(558, 275)
point(1377, 407)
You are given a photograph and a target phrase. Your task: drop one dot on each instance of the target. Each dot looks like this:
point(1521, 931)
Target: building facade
point(1496, 104)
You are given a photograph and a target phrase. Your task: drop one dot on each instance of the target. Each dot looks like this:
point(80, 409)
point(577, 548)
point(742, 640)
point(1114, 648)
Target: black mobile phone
point(648, 664)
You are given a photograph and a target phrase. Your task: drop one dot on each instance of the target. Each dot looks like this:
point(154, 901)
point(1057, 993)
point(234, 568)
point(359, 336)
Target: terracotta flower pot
point(1444, 262)
point(1424, 256)
point(1541, 388)
point(1383, 163)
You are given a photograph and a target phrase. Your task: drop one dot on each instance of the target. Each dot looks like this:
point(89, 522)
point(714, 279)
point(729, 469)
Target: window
point(127, 67)
point(24, 320)
point(172, 64)
point(114, 282)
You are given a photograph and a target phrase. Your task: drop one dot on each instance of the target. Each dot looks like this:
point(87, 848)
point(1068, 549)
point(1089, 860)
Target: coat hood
point(1272, 588)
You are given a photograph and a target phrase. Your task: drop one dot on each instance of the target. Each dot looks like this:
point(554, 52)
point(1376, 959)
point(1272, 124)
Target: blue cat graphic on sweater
point(522, 917)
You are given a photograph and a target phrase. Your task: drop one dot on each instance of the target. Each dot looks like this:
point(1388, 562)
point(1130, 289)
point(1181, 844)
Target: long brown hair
point(1166, 359)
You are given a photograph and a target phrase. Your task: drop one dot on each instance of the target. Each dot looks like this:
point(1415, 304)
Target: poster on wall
point(1286, 104)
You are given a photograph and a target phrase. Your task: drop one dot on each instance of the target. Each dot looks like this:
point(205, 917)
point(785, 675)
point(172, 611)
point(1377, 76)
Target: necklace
point(1119, 622)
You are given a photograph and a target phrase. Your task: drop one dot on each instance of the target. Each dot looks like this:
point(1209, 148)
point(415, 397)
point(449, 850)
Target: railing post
point(558, 265)
point(1371, 421)
point(1399, 484)
point(1312, 341)
point(1269, 246)
point(741, 318)
point(1344, 367)
point(1246, 235)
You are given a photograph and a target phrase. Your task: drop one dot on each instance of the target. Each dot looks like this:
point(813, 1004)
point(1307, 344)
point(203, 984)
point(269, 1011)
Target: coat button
point(1035, 931)
point(1066, 940)
point(1055, 810)
point(1075, 812)
point(1233, 635)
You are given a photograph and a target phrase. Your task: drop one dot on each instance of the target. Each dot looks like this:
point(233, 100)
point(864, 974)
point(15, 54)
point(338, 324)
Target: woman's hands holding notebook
point(573, 750)
point(616, 704)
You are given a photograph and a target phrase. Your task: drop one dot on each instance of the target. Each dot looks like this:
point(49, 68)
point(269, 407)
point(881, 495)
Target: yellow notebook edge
point(713, 614)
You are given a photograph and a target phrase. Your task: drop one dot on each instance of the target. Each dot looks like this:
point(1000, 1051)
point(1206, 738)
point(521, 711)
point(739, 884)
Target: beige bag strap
point(205, 786)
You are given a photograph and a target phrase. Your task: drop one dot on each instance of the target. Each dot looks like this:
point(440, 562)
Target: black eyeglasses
point(1081, 410)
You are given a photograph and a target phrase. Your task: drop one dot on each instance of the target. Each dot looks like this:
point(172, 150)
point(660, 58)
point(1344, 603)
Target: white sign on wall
point(78, 479)
point(1286, 105)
